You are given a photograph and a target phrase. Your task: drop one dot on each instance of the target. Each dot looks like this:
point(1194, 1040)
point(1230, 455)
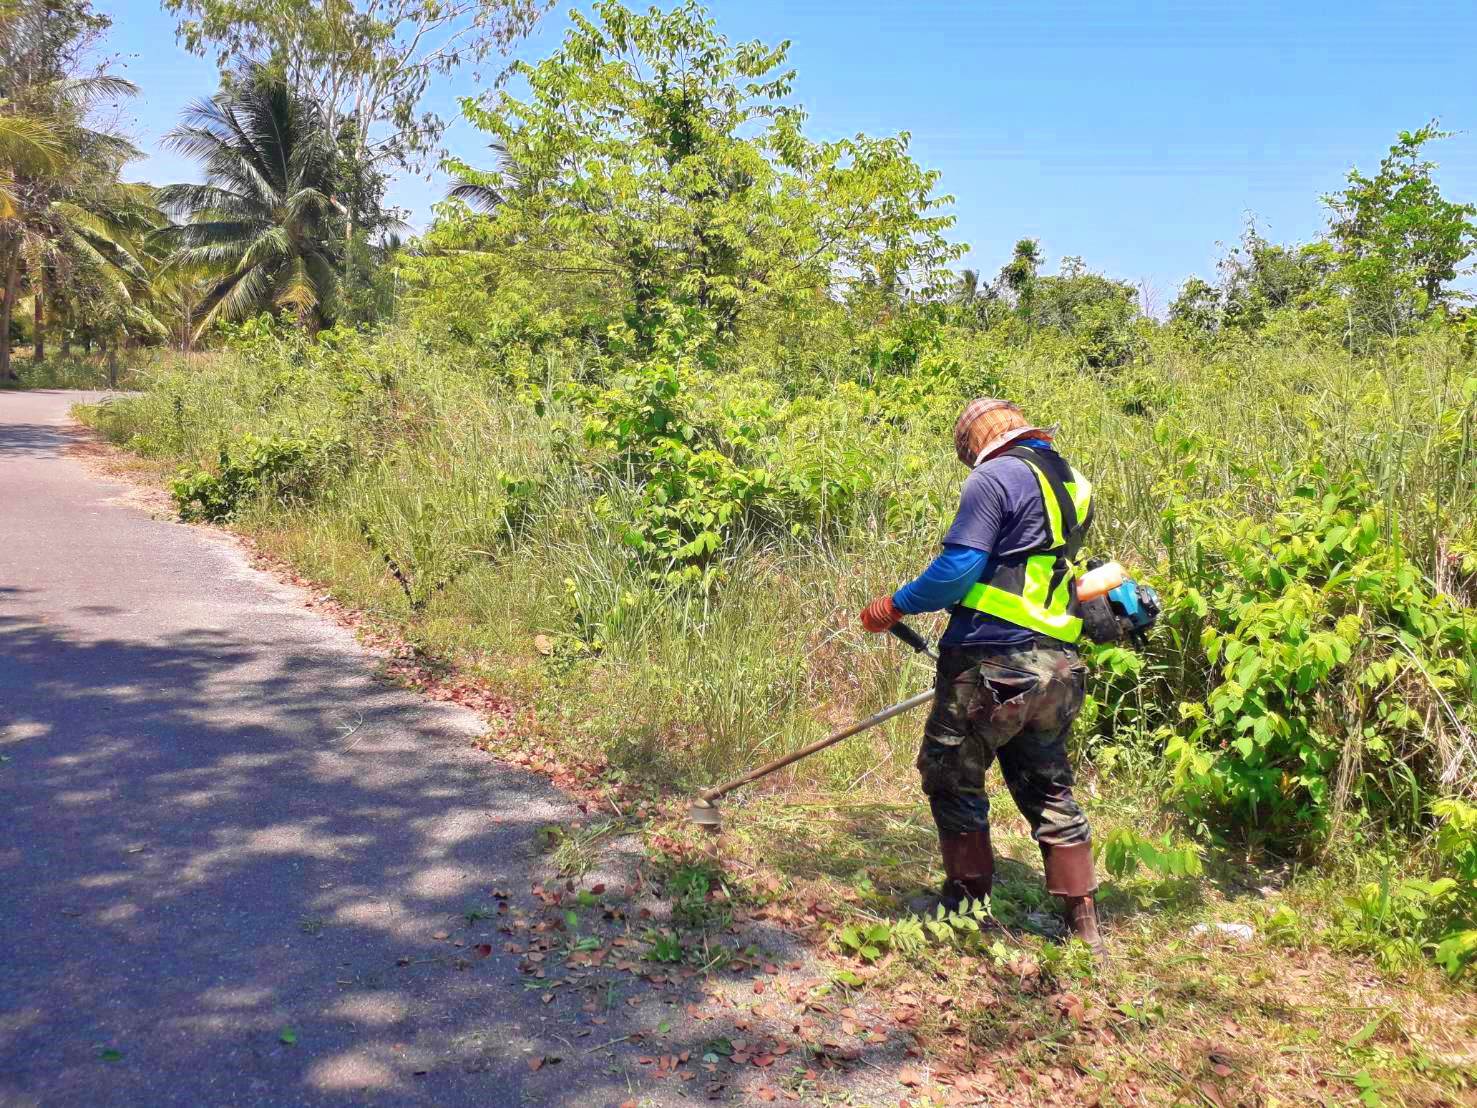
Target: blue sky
point(1138, 135)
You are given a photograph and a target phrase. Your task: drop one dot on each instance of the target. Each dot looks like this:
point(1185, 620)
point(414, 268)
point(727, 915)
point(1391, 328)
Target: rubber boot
point(1070, 875)
point(969, 867)
point(969, 872)
point(969, 864)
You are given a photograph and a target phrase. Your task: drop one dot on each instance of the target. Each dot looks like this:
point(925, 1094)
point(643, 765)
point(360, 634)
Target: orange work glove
point(879, 615)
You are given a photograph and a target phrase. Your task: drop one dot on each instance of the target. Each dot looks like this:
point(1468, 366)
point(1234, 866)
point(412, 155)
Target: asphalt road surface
point(220, 832)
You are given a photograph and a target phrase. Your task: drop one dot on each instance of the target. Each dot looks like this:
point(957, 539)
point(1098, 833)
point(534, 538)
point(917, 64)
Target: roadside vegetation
point(632, 431)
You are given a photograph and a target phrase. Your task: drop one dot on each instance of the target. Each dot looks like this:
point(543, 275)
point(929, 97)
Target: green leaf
point(1360, 1037)
point(1456, 950)
point(288, 1036)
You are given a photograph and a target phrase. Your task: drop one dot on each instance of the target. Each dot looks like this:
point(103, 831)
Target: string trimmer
point(704, 810)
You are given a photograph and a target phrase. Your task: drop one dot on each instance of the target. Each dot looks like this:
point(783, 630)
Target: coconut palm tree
point(56, 175)
point(1019, 275)
point(263, 228)
point(103, 248)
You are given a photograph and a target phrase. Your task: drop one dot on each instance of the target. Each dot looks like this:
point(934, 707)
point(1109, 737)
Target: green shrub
point(685, 476)
point(283, 470)
point(1456, 845)
point(1325, 673)
point(1124, 850)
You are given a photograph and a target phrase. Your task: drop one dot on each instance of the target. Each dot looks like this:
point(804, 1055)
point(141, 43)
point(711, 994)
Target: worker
point(1010, 681)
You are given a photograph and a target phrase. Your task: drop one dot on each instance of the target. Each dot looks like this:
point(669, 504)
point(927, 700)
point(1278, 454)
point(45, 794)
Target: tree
point(59, 177)
point(364, 65)
point(1096, 311)
point(1064, 301)
point(1260, 278)
point(1399, 242)
point(655, 160)
point(1019, 276)
point(262, 228)
point(1197, 307)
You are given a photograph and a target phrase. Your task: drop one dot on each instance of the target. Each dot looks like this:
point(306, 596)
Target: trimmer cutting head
point(705, 813)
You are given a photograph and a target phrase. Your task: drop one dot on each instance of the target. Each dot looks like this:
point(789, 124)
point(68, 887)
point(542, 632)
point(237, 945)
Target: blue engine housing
point(1139, 604)
point(1126, 612)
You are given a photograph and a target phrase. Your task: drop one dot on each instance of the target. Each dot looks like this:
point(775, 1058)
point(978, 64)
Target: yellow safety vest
point(1037, 589)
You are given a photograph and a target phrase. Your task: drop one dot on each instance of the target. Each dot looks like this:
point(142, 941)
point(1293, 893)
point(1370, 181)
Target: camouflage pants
point(1015, 706)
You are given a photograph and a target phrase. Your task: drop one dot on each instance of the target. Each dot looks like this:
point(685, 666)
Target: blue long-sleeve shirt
point(945, 581)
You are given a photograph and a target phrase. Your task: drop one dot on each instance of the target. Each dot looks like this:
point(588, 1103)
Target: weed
point(691, 542)
point(690, 888)
point(284, 470)
point(664, 946)
point(1124, 850)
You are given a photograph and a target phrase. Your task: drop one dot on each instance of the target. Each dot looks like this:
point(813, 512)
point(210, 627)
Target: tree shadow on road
point(206, 858)
point(197, 852)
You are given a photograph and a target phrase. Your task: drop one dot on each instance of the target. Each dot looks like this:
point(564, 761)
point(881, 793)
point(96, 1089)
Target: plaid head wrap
point(987, 426)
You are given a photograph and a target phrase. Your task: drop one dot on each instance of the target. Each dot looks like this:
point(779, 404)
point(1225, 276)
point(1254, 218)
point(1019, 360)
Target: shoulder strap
point(1056, 473)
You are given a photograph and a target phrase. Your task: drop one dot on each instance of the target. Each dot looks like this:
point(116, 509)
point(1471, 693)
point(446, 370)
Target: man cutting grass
point(1010, 681)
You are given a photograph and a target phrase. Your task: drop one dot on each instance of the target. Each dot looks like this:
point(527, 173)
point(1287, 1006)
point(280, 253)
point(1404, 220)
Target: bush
point(1325, 674)
point(282, 470)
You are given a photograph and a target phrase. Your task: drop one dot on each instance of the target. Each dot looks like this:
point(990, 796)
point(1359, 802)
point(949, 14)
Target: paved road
point(216, 824)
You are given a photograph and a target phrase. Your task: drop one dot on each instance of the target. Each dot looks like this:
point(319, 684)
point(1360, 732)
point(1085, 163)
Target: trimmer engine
point(1126, 612)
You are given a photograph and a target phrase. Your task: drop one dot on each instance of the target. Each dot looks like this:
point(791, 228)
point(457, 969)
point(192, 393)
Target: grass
point(774, 658)
point(541, 601)
point(1175, 1017)
point(76, 370)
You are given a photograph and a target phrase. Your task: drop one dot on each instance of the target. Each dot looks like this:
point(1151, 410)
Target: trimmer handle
point(908, 637)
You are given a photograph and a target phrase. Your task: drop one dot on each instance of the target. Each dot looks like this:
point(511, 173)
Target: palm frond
point(296, 290)
point(30, 144)
point(484, 198)
point(274, 246)
point(238, 233)
point(83, 93)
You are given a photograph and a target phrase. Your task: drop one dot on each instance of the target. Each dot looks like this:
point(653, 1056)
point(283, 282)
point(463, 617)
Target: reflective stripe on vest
point(1037, 594)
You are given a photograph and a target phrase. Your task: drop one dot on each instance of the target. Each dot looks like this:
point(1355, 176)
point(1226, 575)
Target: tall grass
point(682, 687)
